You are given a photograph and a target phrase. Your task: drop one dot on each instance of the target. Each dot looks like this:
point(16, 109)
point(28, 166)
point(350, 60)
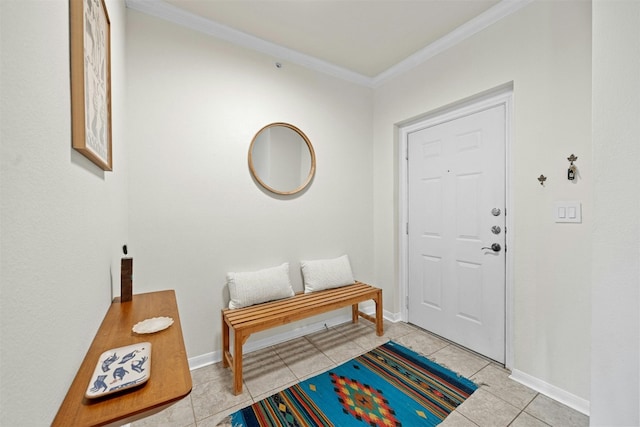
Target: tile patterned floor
point(498, 402)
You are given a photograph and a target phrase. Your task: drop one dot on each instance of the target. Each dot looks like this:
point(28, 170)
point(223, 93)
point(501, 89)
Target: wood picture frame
point(90, 44)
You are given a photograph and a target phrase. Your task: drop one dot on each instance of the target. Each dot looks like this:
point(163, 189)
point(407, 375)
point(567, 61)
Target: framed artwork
point(90, 35)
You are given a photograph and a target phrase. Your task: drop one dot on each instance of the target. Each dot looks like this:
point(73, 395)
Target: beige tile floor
point(498, 402)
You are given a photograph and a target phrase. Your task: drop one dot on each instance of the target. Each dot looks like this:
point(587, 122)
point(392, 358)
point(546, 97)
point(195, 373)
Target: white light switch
point(567, 211)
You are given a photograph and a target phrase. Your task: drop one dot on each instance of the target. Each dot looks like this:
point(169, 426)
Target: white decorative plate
point(152, 325)
point(119, 369)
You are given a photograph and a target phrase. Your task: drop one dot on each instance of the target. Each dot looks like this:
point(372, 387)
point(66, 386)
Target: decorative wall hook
point(542, 179)
point(571, 173)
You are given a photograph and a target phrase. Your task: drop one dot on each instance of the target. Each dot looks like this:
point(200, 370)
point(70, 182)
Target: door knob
point(494, 247)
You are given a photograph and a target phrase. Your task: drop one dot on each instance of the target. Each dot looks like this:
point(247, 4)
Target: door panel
point(432, 282)
point(456, 176)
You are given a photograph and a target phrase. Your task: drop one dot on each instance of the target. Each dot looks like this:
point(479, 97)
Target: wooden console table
point(170, 378)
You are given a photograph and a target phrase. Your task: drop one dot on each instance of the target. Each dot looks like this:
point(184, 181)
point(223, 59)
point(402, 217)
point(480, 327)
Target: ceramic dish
point(152, 325)
point(119, 369)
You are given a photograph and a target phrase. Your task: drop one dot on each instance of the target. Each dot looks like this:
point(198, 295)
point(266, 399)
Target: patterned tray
point(119, 369)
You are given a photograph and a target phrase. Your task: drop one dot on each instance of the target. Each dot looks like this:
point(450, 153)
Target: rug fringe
point(227, 422)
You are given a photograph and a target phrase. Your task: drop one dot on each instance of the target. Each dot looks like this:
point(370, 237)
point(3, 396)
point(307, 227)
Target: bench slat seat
point(248, 320)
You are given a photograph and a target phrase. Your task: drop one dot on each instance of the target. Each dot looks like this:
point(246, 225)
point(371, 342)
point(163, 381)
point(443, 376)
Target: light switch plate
point(567, 212)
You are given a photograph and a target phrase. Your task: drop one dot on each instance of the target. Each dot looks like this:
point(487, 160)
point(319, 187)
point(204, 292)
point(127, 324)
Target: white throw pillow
point(326, 273)
point(255, 287)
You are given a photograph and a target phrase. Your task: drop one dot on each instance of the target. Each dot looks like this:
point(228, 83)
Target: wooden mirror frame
point(312, 154)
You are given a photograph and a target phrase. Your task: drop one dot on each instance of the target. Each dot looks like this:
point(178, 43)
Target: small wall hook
point(542, 179)
point(571, 173)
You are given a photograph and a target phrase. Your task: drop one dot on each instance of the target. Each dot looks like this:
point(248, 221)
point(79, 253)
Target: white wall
point(615, 350)
point(63, 220)
point(545, 50)
point(195, 103)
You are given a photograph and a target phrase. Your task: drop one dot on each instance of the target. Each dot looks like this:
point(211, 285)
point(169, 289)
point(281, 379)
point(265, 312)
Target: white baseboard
point(216, 356)
point(556, 393)
point(391, 317)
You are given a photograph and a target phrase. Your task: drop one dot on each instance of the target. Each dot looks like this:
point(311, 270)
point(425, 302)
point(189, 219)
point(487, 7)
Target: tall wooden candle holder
point(126, 279)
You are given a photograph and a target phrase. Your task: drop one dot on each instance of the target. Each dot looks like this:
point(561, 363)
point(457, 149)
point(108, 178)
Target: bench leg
point(354, 313)
point(225, 342)
point(379, 319)
point(237, 363)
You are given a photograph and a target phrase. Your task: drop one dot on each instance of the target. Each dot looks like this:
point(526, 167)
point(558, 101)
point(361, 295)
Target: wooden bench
point(248, 320)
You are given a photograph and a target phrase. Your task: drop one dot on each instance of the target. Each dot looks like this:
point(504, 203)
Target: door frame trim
point(502, 95)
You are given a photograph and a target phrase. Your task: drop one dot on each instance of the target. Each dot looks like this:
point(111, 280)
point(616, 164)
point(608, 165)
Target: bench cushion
point(326, 273)
point(255, 287)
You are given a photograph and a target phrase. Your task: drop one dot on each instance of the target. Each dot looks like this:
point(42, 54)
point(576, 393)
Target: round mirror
point(281, 158)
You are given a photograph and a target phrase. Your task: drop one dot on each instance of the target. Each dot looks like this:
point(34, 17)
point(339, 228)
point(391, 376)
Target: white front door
point(456, 211)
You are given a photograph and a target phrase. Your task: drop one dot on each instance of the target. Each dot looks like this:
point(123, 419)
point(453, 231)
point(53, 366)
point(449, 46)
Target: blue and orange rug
point(389, 386)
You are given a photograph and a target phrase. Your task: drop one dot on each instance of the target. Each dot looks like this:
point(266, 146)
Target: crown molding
point(168, 12)
point(466, 30)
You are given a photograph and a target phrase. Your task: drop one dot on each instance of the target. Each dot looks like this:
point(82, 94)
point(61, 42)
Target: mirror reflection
point(281, 158)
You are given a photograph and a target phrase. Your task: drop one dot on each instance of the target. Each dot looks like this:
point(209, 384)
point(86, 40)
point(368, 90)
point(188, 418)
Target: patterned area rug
point(388, 386)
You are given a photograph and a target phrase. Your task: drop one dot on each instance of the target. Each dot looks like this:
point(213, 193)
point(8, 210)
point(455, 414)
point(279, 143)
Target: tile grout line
point(531, 415)
point(465, 417)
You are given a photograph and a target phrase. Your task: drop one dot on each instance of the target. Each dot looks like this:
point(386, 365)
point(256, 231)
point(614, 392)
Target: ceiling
point(362, 39)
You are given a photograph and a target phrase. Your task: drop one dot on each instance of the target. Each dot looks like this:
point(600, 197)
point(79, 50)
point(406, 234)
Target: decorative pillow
point(259, 286)
point(326, 273)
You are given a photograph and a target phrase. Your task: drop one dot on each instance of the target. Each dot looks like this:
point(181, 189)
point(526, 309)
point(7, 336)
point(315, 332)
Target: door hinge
point(407, 301)
point(406, 228)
